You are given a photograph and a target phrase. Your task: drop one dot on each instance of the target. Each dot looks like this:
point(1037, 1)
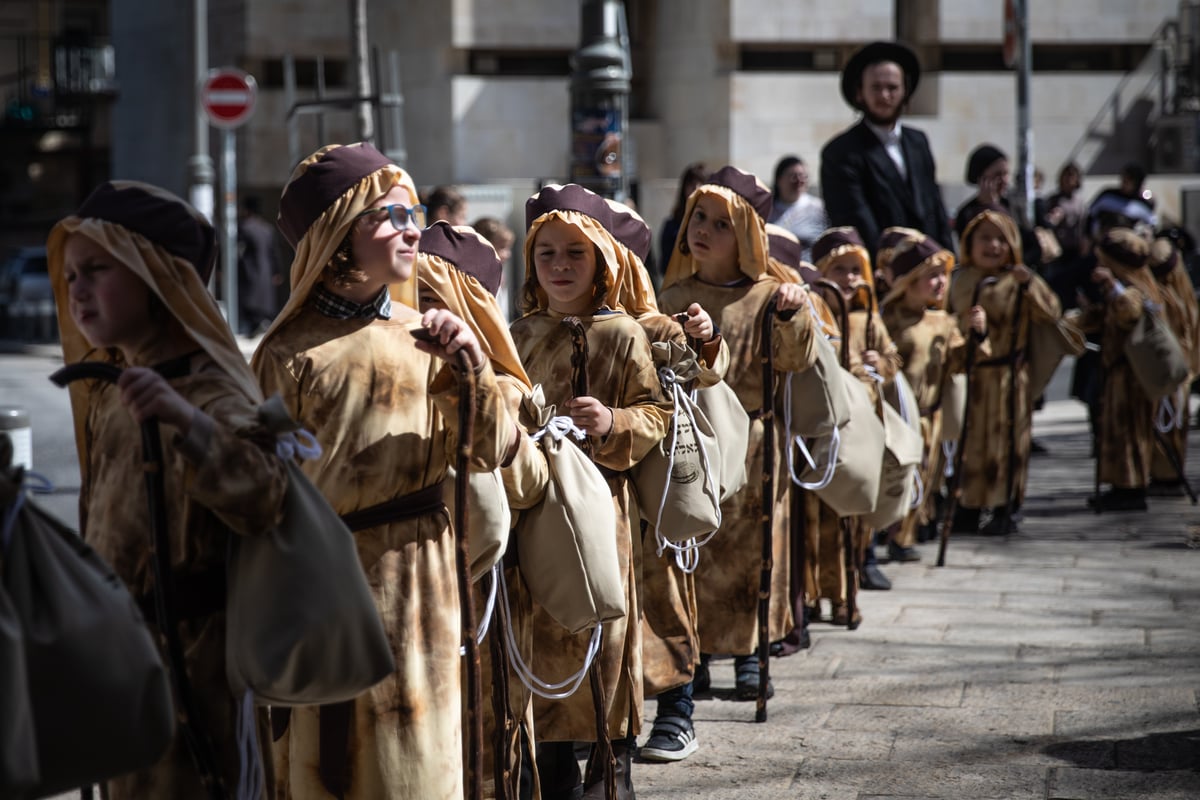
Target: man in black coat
point(880, 173)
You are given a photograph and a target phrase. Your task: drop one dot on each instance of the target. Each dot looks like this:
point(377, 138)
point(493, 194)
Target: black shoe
point(903, 555)
point(966, 520)
point(673, 738)
point(1000, 524)
point(746, 680)
point(1165, 489)
point(872, 577)
point(1120, 500)
point(927, 533)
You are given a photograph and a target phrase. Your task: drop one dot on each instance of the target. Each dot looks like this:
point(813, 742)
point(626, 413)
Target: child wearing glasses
point(572, 270)
point(383, 406)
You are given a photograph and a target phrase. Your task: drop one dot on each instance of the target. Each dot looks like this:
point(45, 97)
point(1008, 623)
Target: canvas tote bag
point(1154, 355)
point(954, 406)
point(567, 543)
point(731, 425)
point(99, 693)
point(490, 518)
point(301, 625)
point(853, 486)
point(677, 482)
point(903, 448)
point(1049, 343)
point(815, 399)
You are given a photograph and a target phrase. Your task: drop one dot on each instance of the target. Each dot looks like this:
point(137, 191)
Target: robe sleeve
point(231, 467)
point(526, 475)
point(640, 422)
point(1126, 309)
point(1044, 305)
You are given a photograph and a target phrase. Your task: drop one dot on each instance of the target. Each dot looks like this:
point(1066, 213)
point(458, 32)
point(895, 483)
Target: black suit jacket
point(862, 186)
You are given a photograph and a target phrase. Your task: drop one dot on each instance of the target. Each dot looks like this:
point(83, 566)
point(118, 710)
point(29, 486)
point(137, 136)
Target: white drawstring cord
point(531, 681)
point(558, 428)
point(680, 400)
point(1169, 417)
point(251, 776)
point(489, 608)
point(948, 451)
point(34, 482)
point(835, 439)
point(297, 443)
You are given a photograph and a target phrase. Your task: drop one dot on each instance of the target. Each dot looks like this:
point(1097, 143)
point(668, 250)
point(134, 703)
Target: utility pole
point(200, 165)
point(1025, 189)
point(600, 76)
point(362, 71)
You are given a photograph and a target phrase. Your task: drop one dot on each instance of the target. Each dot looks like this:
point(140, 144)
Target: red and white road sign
point(228, 97)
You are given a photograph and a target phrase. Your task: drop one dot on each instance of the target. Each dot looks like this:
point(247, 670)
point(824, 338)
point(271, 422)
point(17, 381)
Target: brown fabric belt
point(1004, 360)
point(197, 595)
point(409, 506)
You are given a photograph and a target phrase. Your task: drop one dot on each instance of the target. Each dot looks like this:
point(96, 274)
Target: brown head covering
point(911, 259)
point(1008, 228)
point(321, 201)
point(889, 240)
point(1163, 257)
point(748, 203)
point(1126, 253)
point(454, 263)
point(837, 242)
point(170, 247)
point(635, 292)
point(587, 211)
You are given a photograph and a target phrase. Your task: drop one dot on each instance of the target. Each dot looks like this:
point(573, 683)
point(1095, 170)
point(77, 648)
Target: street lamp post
point(600, 78)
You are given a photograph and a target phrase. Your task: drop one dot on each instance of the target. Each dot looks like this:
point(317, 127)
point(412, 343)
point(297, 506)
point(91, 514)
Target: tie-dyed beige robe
point(1183, 316)
point(932, 348)
point(385, 415)
point(1125, 442)
point(727, 579)
point(621, 375)
point(985, 463)
point(218, 479)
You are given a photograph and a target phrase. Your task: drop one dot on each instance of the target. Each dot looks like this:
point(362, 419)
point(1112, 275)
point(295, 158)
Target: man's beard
point(883, 122)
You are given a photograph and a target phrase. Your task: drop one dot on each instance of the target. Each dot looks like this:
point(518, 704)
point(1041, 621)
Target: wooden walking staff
point(199, 746)
point(768, 509)
point(849, 551)
point(580, 388)
point(1015, 358)
point(956, 477)
point(462, 566)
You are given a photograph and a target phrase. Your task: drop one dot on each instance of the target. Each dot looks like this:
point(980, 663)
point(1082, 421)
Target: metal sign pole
point(229, 216)
point(1025, 189)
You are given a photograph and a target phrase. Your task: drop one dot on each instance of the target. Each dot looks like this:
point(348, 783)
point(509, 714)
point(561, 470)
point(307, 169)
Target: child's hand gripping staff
point(956, 478)
point(783, 305)
point(850, 557)
point(445, 336)
point(140, 389)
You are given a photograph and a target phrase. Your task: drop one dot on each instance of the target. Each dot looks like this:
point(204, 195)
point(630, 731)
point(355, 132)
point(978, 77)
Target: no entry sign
point(228, 97)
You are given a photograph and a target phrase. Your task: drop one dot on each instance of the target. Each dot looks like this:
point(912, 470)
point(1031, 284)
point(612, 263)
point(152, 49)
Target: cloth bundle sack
point(1048, 243)
point(1049, 343)
point(99, 695)
point(731, 425)
point(854, 486)
point(490, 518)
point(18, 757)
point(567, 543)
point(953, 406)
point(903, 449)
point(677, 482)
point(816, 399)
point(1154, 355)
point(301, 625)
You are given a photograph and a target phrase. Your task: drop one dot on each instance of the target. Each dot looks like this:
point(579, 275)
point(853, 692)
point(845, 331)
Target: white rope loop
point(558, 428)
point(300, 443)
point(1170, 414)
point(835, 440)
point(489, 608)
point(685, 403)
point(548, 691)
point(949, 450)
point(31, 483)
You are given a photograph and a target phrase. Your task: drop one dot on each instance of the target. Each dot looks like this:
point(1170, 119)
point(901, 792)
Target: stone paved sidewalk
point(1061, 663)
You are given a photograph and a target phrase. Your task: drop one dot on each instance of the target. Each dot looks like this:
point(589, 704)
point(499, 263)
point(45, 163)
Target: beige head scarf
point(748, 203)
point(910, 260)
point(448, 263)
point(585, 210)
point(325, 194)
point(171, 248)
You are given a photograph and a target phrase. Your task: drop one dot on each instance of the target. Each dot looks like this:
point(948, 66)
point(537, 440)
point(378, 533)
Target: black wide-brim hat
point(875, 53)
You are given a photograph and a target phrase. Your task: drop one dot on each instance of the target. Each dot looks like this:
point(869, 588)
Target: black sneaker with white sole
point(671, 739)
